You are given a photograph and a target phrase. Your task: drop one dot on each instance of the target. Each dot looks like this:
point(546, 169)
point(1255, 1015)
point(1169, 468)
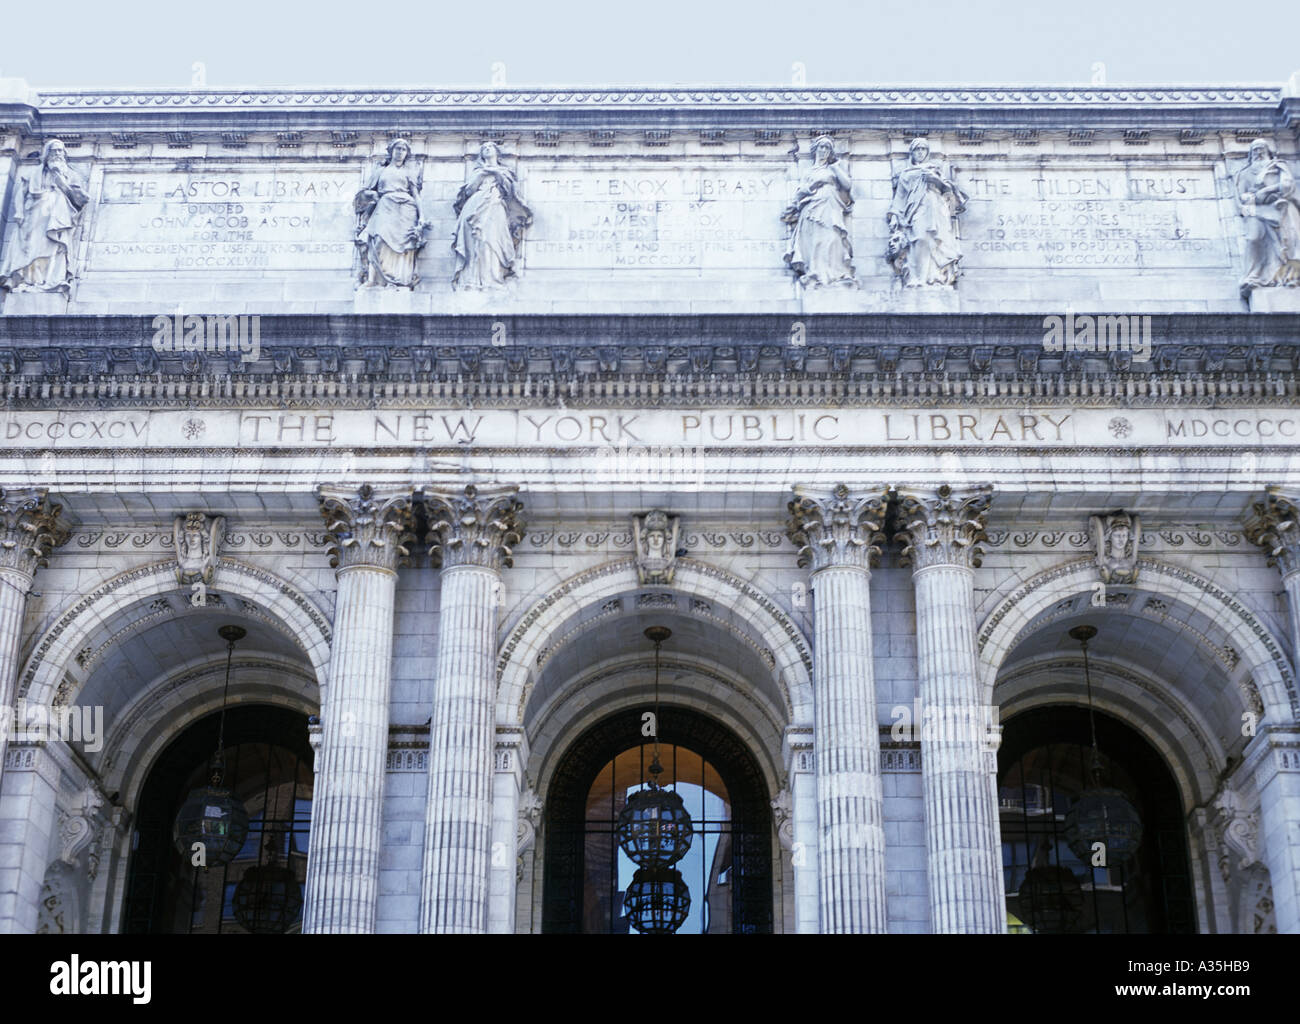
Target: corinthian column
point(369, 531)
point(941, 532)
point(470, 535)
point(1275, 527)
point(836, 532)
point(29, 530)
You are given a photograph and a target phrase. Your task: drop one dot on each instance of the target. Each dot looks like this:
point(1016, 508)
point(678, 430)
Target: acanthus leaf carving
point(477, 526)
point(367, 526)
point(29, 529)
point(944, 527)
point(836, 527)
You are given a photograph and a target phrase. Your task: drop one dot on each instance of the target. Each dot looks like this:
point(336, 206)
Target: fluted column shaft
point(470, 535)
point(29, 530)
point(835, 532)
point(850, 796)
point(347, 811)
point(964, 863)
point(458, 845)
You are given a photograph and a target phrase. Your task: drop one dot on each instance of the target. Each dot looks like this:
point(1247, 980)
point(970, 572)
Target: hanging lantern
point(657, 901)
point(212, 814)
point(1102, 814)
point(1052, 899)
point(654, 828)
point(268, 899)
point(214, 817)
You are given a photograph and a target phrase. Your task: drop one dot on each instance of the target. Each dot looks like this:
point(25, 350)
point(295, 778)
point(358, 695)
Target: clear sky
point(606, 42)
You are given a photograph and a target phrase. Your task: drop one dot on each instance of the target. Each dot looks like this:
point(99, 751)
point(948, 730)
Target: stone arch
point(1259, 649)
point(1179, 733)
point(613, 686)
point(305, 622)
point(175, 700)
point(534, 631)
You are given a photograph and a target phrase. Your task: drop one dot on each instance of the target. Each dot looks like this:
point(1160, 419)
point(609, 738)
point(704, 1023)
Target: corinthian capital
point(476, 526)
point(835, 527)
point(1275, 527)
point(367, 526)
point(943, 527)
point(29, 529)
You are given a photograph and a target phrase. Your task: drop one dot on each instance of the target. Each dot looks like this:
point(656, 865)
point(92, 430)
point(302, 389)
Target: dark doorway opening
point(1043, 767)
point(269, 767)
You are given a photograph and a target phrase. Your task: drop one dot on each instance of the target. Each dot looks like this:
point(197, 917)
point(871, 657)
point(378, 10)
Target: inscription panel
point(231, 221)
point(1092, 218)
point(658, 217)
point(543, 429)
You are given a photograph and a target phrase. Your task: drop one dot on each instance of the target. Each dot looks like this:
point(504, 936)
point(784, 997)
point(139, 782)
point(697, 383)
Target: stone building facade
point(445, 397)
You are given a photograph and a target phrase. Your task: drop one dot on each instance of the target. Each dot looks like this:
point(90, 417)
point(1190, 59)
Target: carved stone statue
point(820, 251)
point(198, 544)
point(655, 535)
point(48, 211)
point(1116, 537)
point(1267, 200)
point(490, 224)
point(390, 232)
point(924, 240)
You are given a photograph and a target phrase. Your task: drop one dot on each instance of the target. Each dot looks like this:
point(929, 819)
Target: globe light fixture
point(212, 815)
point(657, 901)
point(655, 831)
point(1102, 814)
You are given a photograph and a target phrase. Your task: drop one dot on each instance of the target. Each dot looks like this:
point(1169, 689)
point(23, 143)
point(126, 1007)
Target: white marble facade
point(405, 414)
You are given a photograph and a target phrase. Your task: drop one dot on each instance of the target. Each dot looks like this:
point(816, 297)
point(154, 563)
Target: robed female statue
point(390, 233)
point(819, 251)
point(490, 223)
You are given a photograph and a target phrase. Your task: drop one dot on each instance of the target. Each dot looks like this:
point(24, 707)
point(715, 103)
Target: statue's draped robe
point(490, 223)
point(389, 235)
point(925, 215)
point(52, 202)
point(820, 250)
point(1272, 228)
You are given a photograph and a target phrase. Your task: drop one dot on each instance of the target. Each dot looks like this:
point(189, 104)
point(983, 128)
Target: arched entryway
point(269, 767)
point(729, 869)
point(1043, 767)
